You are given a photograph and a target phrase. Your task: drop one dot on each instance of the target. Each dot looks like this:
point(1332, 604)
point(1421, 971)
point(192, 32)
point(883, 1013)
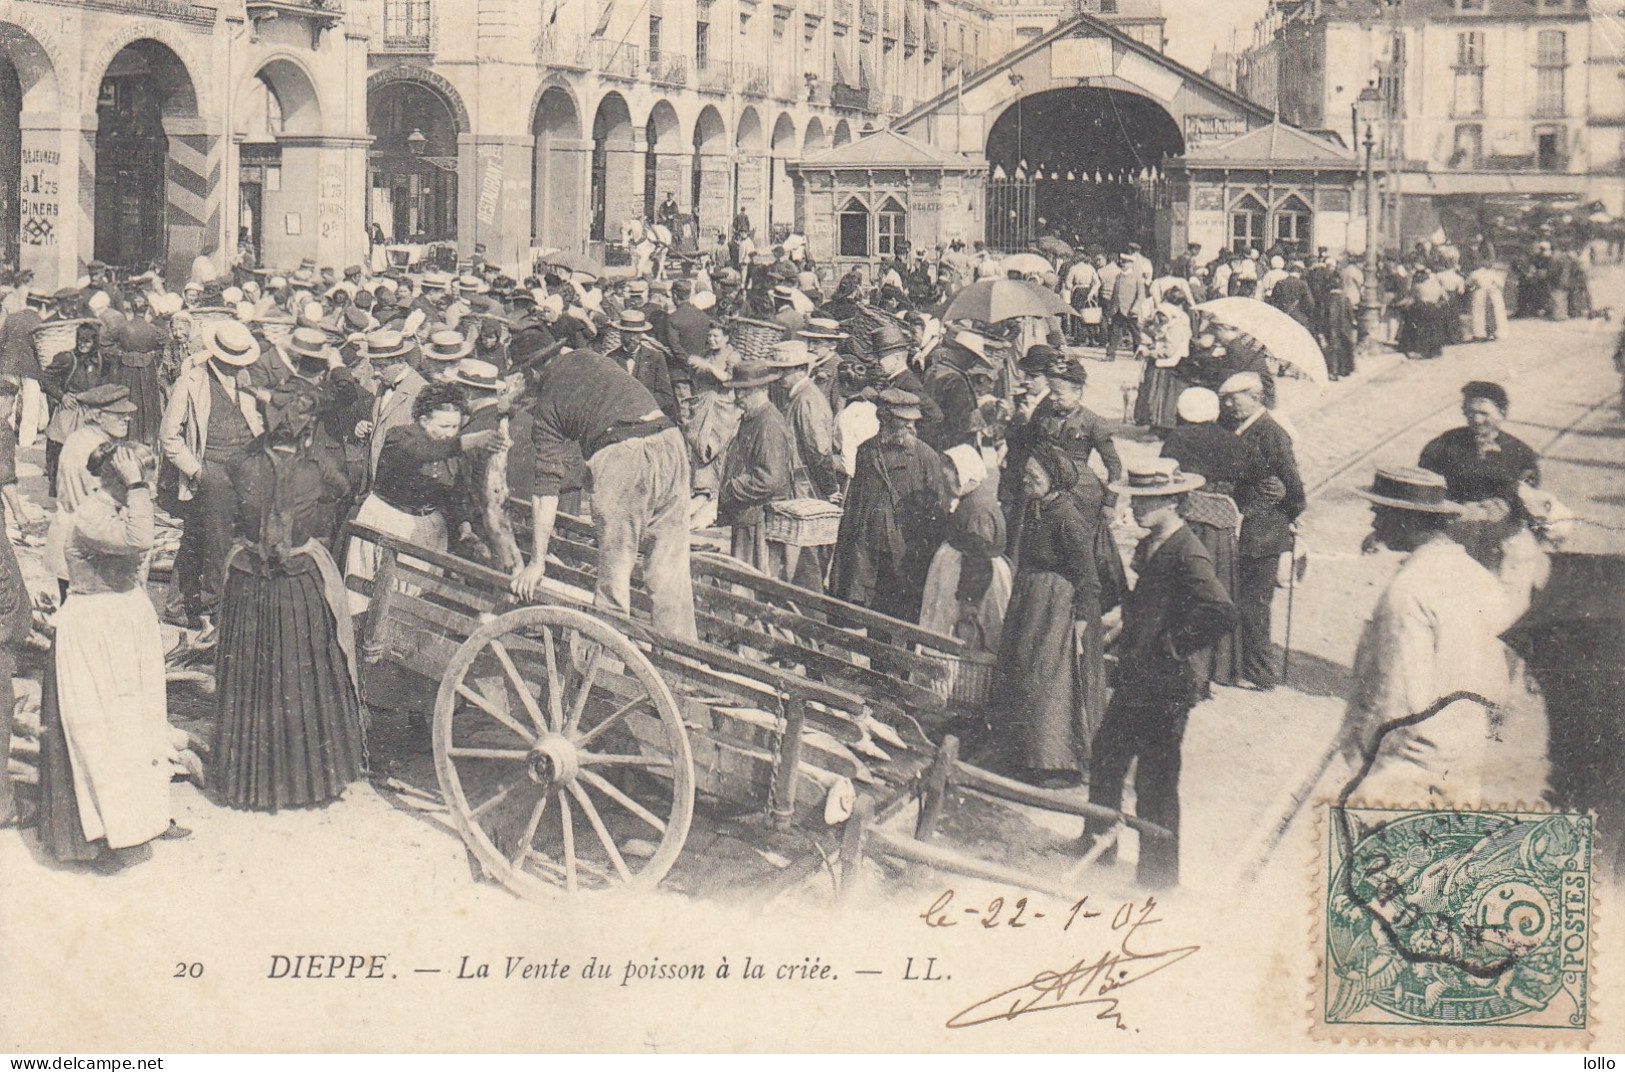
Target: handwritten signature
point(1092, 981)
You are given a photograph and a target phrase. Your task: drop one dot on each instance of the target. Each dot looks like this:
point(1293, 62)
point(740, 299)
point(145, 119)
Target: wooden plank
point(884, 842)
point(996, 785)
point(934, 791)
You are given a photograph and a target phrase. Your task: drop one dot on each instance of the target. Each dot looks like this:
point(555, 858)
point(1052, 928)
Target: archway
point(274, 180)
point(31, 194)
point(1088, 160)
point(750, 176)
point(11, 161)
point(150, 192)
point(555, 192)
point(662, 158)
point(708, 180)
point(815, 140)
point(781, 194)
point(843, 134)
point(612, 175)
point(413, 161)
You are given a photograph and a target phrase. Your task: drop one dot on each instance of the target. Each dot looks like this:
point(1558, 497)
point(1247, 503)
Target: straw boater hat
point(473, 284)
point(791, 354)
point(448, 346)
point(904, 405)
point(231, 343)
point(822, 327)
point(1158, 477)
point(1418, 490)
point(633, 320)
point(480, 375)
point(308, 342)
point(437, 281)
point(387, 345)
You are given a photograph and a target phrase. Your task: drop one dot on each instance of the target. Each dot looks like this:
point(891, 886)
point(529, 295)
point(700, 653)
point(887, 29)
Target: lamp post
point(1366, 109)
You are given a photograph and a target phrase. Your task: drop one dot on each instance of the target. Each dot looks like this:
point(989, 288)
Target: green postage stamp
point(1456, 921)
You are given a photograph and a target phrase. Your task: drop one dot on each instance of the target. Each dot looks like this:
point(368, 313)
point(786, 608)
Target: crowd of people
point(976, 491)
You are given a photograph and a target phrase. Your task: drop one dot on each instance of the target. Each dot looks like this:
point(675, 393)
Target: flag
point(603, 18)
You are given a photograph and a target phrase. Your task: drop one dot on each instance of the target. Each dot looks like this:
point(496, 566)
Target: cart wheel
point(562, 755)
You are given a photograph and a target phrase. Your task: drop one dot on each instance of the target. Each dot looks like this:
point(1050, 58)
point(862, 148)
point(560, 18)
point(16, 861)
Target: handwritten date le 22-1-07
point(1014, 912)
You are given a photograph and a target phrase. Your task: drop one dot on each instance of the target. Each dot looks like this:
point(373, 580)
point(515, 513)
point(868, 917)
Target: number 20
point(194, 970)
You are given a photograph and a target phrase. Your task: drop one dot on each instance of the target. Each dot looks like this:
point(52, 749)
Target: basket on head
point(203, 322)
point(277, 331)
point(57, 336)
point(755, 339)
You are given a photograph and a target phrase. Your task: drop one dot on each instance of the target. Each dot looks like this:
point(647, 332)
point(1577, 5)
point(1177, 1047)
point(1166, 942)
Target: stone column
point(501, 195)
point(54, 234)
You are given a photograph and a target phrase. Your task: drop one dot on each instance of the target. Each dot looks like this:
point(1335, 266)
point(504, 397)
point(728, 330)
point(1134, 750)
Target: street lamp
point(416, 143)
point(1367, 110)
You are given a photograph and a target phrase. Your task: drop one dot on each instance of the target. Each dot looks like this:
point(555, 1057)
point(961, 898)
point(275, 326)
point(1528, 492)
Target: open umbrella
point(1026, 264)
point(993, 300)
point(1053, 247)
point(1288, 341)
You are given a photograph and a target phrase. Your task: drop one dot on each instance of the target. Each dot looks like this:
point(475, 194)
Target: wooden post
point(376, 640)
point(853, 837)
point(934, 792)
point(783, 800)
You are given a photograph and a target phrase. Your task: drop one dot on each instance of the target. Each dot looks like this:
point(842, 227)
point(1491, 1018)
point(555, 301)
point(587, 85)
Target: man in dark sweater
point(1176, 611)
point(757, 469)
point(588, 407)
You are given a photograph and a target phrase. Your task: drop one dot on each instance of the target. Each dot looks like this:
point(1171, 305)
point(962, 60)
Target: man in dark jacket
point(645, 359)
point(758, 468)
point(1293, 297)
point(948, 384)
point(1270, 495)
point(1176, 611)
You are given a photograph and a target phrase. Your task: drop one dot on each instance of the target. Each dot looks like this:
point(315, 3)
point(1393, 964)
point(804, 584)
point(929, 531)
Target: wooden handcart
point(570, 744)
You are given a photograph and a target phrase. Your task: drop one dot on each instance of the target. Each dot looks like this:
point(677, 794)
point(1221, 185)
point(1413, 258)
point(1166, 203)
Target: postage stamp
point(1462, 923)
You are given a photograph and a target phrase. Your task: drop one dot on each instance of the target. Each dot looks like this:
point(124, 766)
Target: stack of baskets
point(203, 322)
point(755, 339)
point(966, 680)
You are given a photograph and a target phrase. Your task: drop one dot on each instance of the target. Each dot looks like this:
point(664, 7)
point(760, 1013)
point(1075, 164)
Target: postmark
point(1461, 925)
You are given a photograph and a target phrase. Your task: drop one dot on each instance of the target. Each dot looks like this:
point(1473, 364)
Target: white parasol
point(1287, 341)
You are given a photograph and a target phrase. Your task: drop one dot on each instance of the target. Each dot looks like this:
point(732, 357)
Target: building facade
point(1520, 97)
point(134, 131)
point(523, 126)
point(1140, 19)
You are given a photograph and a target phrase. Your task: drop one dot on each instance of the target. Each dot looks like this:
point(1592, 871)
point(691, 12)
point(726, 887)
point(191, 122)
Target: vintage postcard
point(1079, 526)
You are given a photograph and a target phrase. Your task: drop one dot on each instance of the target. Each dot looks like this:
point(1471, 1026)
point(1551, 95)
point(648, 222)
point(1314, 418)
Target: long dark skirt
point(1221, 545)
point(147, 396)
point(61, 831)
point(1041, 719)
point(289, 725)
point(1157, 404)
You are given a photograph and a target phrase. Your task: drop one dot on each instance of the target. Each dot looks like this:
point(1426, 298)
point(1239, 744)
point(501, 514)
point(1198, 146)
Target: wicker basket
point(277, 331)
point(802, 522)
point(57, 336)
point(203, 321)
point(968, 679)
point(754, 339)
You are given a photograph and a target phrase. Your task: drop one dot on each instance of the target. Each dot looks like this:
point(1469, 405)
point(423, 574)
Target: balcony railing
point(819, 90)
point(841, 11)
point(668, 69)
point(952, 60)
point(849, 97)
point(564, 51)
point(886, 103)
point(911, 34)
point(615, 59)
point(751, 78)
point(715, 77)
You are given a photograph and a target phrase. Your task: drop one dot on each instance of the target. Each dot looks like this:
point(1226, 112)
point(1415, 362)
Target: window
point(889, 238)
point(1549, 91)
point(702, 45)
point(406, 21)
point(854, 229)
point(1552, 49)
point(1469, 93)
point(1469, 147)
point(1247, 225)
point(1554, 5)
point(1550, 154)
point(1293, 224)
point(654, 39)
point(1470, 49)
point(1468, 7)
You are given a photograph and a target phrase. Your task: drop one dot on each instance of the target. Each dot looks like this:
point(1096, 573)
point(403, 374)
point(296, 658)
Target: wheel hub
point(554, 761)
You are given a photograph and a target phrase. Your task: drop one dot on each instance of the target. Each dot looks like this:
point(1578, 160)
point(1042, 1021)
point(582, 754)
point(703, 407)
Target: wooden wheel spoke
point(497, 798)
point(602, 831)
point(555, 872)
point(588, 678)
point(491, 709)
point(525, 843)
point(487, 753)
point(555, 706)
point(519, 686)
point(567, 827)
point(615, 759)
point(608, 788)
point(619, 713)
